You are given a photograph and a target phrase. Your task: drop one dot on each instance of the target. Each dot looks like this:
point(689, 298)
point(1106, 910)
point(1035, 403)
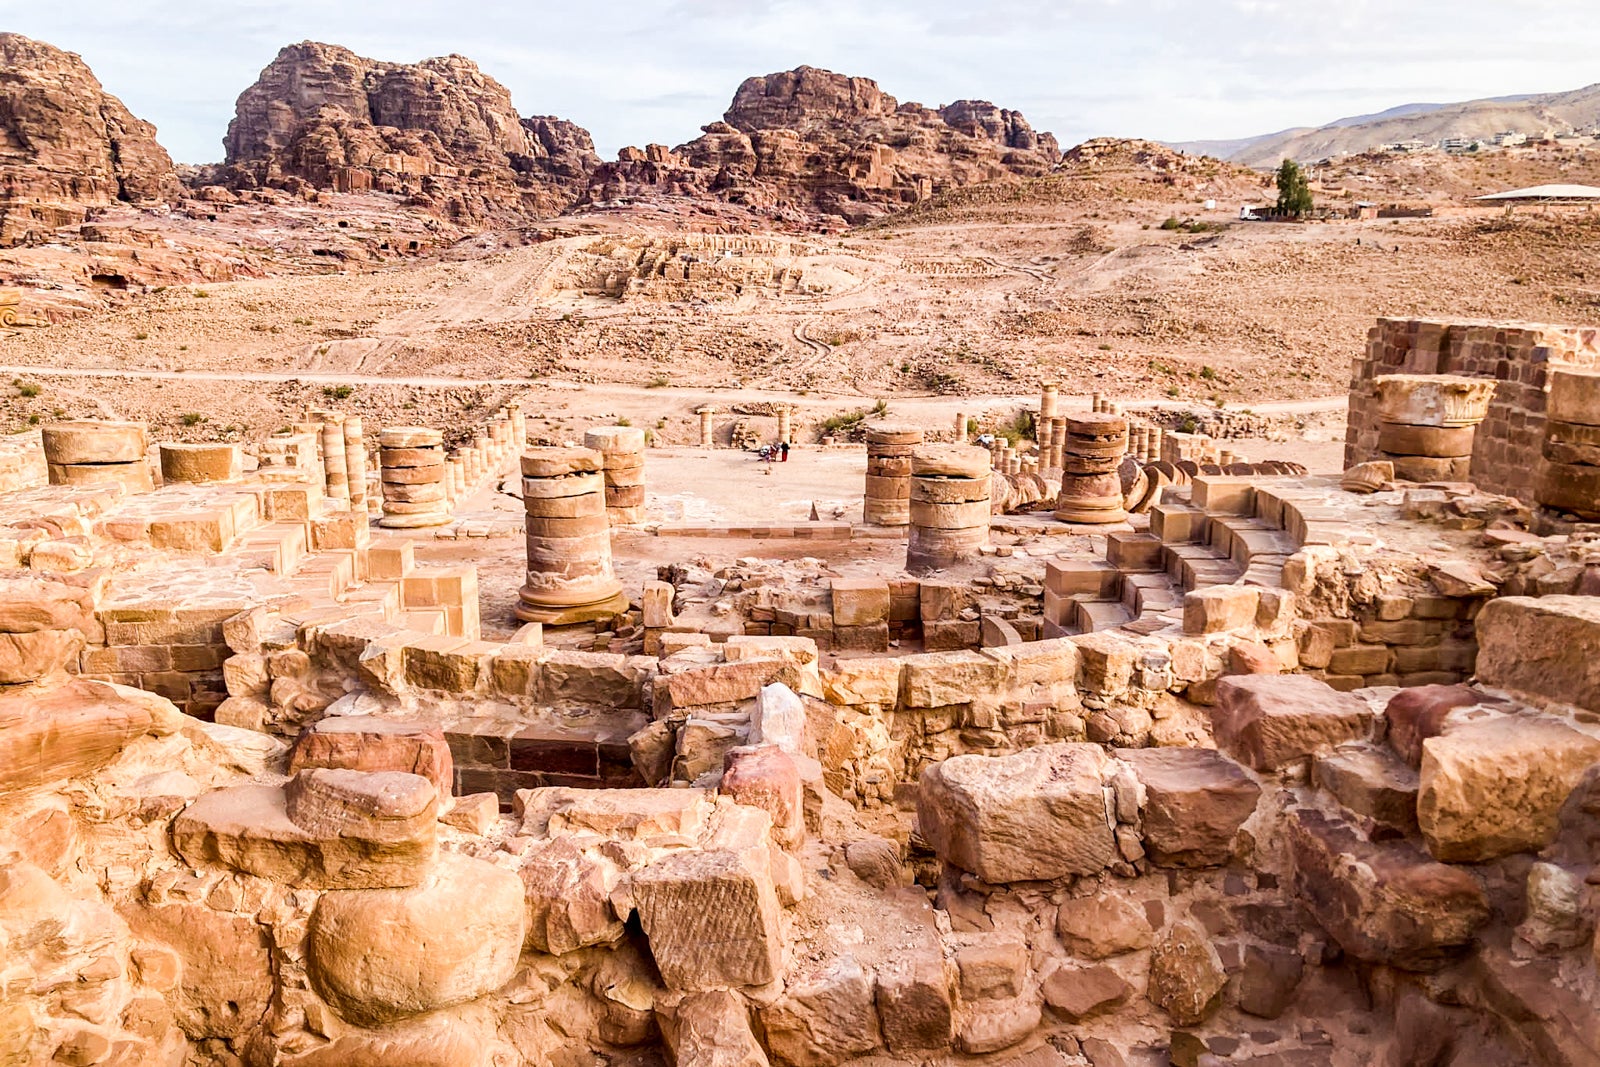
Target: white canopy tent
point(1570, 194)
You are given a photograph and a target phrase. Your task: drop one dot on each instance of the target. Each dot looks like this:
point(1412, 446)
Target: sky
point(634, 73)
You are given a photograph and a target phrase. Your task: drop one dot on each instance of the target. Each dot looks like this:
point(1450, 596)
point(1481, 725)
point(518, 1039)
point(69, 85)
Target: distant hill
point(1530, 114)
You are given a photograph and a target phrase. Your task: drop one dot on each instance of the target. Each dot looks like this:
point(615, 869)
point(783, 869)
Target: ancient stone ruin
point(1138, 754)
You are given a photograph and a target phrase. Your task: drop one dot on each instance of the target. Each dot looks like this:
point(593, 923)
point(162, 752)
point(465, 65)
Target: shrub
point(191, 418)
point(660, 381)
point(338, 392)
point(27, 388)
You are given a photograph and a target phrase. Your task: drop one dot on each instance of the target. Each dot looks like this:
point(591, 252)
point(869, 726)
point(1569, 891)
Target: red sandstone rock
point(1387, 903)
point(365, 743)
point(1414, 715)
point(1266, 721)
point(768, 778)
point(66, 145)
point(1196, 800)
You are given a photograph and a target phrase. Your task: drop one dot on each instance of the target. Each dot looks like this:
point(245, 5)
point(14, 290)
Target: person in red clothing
point(783, 451)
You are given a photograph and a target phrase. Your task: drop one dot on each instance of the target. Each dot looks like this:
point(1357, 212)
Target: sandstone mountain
point(440, 131)
point(66, 145)
point(1533, 115)
point(807, 143)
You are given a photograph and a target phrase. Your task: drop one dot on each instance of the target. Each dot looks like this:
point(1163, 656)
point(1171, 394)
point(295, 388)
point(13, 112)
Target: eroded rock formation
point(67, 145)
point(440, 131)
point(809, 142)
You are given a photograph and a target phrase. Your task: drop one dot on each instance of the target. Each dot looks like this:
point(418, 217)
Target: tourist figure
point(783, 451)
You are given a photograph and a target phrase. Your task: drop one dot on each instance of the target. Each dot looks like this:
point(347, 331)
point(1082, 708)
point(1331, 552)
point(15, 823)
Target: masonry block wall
point(1506, 451)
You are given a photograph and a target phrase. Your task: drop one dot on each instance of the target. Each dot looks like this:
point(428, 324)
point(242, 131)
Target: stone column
point(707, 430)
point(519, 429)
point(336, 480)
point(1049, 395)
point(456, 477)
point(622, 451)
point(960, 428)
point(1097, 402)
point(1058, 441)
point(785, 425)
point(200, 463)
point(1091, 491)
point(1427, 423)
point(569, 543)
point(355, 462)
point(950, 487)
point(98, 452)
point(1153, 451)
point(1570, 478)
point(412, 472)
point(888, 491)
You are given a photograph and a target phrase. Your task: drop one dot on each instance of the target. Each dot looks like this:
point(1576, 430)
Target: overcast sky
point(637, 72)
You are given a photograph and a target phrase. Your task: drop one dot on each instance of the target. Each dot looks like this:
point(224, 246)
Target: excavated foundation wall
point(1506, 449)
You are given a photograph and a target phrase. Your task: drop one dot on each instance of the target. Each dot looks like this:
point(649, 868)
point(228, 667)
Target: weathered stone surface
point(1186, 975)
point(1542, 646)
point(876, 861)
point(1268, 982)
point(1079, 993)
point(780, 719)
point(712, 1029)
point(1036, 815)
point(1266, 721)
point(224, 976)
point(1494, 787)
point(862, 681)
point(322, 115)
point(832, 145)
point(1555, 919)
point(379, 806)
point(630, 814)
point(940, 679)
point(247, 827)
point(916, 1001)
point(50, 734)
point(712, 919)
point(475, 813)
point(367, 743)
point(768, 778)
point(1219, 608)
point(71, 145)
point(1416, 714)
point(1371, 782)
point(1383, 903)
point(991, 967)
point(381, 955)
point(824, 1019)
point(1096, 927)
point(1195, 801)
point(991, 1025)
point(569, 897)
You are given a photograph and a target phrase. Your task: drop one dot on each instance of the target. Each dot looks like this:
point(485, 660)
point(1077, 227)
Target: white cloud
point(633, 72)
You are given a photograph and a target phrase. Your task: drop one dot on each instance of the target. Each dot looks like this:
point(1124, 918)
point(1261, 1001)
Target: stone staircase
point(1221, 531)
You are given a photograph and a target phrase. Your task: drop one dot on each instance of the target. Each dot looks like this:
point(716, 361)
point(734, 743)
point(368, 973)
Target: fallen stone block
point(862, 681)
point(1266, 721)
point(1384, 903)
point(473, 814)
point(366, 743)
point(992, 967)
point(940, 679)
point(1195, 801)
point(389, 807)
point(1494, 787)
point(1218, 608)
point(1372, 782)
point(247, 828)
point(1098, 927)
point(1543, 647)
point(712, 919)
point(991, 1025)
point(824, 1019)
point(1414, 715)
point(50, 734)
point(386, 954)
point(1037, 815)
point(712, 1029)
point(860, 602)
point(1268, 982)
point(768, 778)
point(569, 897)
point(626, 814)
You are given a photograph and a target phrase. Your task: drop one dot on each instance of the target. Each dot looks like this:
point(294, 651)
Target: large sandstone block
point(1494, 787)
point(916, 1000)
point(939, 679)
point(569, 897)
point(1542, 646)
point(1219, 608)
point(863, 681)
point(824, 1019)
point(1383, 903)
point(381, 955)
point(1038, 815)
point(768, 778)
point(860, 601)
point(626, 814)
point(1186, 975)
point(224, 972)
point(1266, 721)
point(51, 734)
point(390, 807)
point(1195, 801)
point(247, 827)
point(1416, 714)
point(712, 1029)
point(367, 743)
point(1372, 782)
point(712, 919)
point(1100, 926)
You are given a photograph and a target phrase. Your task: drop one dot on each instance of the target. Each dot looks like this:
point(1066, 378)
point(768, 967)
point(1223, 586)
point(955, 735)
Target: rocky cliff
point(440, 131)
point(66, 145)
point(808, 144)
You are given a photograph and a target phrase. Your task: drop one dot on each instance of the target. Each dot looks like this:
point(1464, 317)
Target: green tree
point(1294, 192)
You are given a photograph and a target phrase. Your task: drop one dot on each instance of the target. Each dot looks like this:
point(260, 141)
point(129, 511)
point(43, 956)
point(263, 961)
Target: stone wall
point(1506, 451)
